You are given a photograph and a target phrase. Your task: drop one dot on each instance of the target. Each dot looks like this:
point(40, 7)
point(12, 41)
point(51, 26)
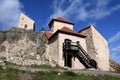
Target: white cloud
point(9, 13)
point(83, 9)
point(114, 38)
point(115, 53)
point(116, 49)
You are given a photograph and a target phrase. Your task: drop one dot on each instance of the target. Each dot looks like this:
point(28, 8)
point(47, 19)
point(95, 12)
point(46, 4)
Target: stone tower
point(59, 23)
point(26, 23)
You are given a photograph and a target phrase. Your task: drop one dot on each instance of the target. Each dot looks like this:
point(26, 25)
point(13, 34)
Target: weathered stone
point(2, 48)
point(2, 36)
point(14, 34)
point(32, 35)
point(22, 47)
point(114, 66)
point(2, 63)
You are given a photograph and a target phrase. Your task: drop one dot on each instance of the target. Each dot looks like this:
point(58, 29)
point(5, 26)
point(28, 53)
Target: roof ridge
point(60, 19)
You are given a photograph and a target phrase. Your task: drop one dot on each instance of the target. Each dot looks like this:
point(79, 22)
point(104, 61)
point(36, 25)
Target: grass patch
point(71, 76)
point(13, 74)
point(46, 66)
point(9, 63)
point(41, 66)
point(9, 74)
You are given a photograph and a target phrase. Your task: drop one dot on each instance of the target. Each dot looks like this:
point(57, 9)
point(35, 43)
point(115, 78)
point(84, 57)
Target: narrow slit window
point(25, 26)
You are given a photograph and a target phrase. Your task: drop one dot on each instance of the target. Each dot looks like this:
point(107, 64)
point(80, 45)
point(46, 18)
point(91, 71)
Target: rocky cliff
point(23, 47)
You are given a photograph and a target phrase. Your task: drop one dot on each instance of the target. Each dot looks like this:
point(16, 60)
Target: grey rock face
point(23, 47)
point(2, 48)
point(2, 36)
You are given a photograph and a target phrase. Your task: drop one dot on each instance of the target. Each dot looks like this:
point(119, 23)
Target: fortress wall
point(53, 49)
point(97, 47)
point(102, 50)
point(89, 42)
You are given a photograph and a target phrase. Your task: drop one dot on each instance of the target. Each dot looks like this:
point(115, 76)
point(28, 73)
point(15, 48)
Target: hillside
point(15, 74)
point(26, 47)
point(114, 66)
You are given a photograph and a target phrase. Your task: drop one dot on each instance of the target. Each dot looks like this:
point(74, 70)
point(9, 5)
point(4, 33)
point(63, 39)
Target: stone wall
point(89, 42)
point(97, 47)
point(23, 47)
point(53, 50)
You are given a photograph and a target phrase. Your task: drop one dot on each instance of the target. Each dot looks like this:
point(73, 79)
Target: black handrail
point(87, 60)
point(84, 52)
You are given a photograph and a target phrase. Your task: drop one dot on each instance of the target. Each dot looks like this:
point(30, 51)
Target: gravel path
point(96, 72)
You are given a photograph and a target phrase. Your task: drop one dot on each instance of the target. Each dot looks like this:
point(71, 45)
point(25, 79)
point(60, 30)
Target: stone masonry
point(23, 47)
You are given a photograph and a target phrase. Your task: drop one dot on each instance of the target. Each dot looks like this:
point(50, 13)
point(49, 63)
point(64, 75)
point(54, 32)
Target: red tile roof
point(48, 34)
point(64, 30)
point(61, 20)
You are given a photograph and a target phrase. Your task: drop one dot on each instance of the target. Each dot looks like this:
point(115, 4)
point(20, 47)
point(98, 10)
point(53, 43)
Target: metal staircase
point(75, 47)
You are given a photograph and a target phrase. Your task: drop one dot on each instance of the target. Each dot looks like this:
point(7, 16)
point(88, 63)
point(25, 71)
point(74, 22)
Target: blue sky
point(103, 14)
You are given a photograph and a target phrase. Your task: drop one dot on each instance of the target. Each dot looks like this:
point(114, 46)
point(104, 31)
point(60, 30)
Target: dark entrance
point(69, 61)
point(67, 55)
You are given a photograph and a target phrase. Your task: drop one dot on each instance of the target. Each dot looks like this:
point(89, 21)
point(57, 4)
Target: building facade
point(86, 48)
point(90, 40)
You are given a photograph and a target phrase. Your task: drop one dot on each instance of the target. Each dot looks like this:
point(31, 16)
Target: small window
point(22, 18)
point(25, 26)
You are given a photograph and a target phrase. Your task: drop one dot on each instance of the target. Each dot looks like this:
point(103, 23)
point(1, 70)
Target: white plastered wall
point(59, 25)
point(75, 63)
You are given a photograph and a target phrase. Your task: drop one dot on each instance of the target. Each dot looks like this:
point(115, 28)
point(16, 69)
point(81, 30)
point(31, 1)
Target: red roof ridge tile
point(69, 30)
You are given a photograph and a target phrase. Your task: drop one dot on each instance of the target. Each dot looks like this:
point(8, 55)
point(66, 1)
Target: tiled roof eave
point(59, 21)
point(64, 21)
point(69, 33)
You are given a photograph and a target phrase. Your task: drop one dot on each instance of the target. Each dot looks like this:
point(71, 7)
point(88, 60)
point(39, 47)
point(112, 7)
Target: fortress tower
point(91, 51)
point(26, 23)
